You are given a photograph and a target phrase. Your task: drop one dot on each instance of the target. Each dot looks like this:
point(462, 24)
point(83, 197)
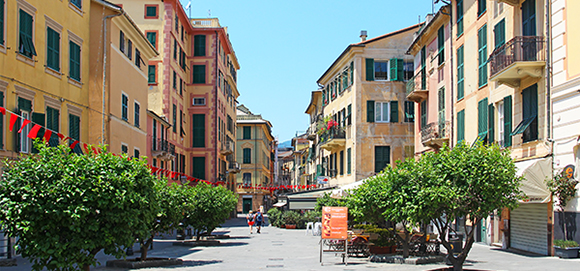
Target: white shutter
point(529, 228)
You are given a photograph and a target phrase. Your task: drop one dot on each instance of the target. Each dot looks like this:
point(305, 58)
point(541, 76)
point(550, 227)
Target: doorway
point(246, 205)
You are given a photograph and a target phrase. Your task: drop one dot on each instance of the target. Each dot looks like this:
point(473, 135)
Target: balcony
point(333, 139)
point(435, 134)
point(162, 149)
point(417, 87)
point(227, 148)
point(234, 167)
point(513, 3)
point(202, 23)
point(520, 57)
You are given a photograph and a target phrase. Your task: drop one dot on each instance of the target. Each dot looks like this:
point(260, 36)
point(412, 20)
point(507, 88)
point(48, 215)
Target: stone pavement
point(281, 249)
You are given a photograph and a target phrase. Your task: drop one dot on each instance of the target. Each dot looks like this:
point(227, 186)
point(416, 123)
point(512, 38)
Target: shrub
point(291, 217)
point(312, 216)
point(565, 243)
point(274, 216)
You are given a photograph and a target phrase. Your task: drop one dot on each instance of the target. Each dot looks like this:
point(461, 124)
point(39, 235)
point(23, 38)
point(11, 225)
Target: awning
point(341, 192)
point(523, 126)
point(535, 172)
point(279, 204)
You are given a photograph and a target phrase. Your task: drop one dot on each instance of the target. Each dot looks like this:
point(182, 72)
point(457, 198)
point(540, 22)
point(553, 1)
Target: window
point(124, 107)
point(175, 49)
point(349, 114)
point(152, 38)
point(460, 75)
point(423, 114)
point(341, 160)
point(381, 70)
point(529, 125)
point(74, 61)
point(441, 44)
point(459, 11)
point(482, 49)
point(52, 49)
point(409, 70)
point(199, 45)
point(507, 123)
point(460, 126)
point(136, 153)
point(26, 41)
point(348, 161)
point(482, 120)
point(137, 112)
point(129, 49)
point(409, 111)
point(74, 130)
point(151, 76)
point(247, 179)
point(423, 69)
point(174, 118)
point(198, 101)
point(198, 130)
point(382, 157)
point(2, 127)
point(181, 131)
point(174, 80)
point(2, 24)
point(176, 24)
point(151, 12)
point(77, 3)
point(499, 34)
point(481, 7)
point(138, 59)
point(180, 86)
point(382, 111)
point(500, 122)
point(122, 41)
point(247, 132)
point(124, 149)
point(247, 156)
point(529, 18)
point(198, 74)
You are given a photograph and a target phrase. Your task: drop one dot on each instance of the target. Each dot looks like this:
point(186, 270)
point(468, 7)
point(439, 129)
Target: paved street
point(281, 249)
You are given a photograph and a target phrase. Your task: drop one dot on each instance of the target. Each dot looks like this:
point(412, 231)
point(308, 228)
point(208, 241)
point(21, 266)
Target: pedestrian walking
point(250, 219)
point(259, 219)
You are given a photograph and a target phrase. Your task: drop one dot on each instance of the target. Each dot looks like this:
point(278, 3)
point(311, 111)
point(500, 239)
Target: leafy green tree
point(175, 200)
point(565, 190)
point(327, 200)
point(64, 207)
point(211, 206)
point(464, 182)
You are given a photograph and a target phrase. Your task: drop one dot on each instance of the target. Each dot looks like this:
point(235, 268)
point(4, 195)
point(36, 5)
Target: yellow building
point(364, 92)
point(118, 80)
point(254, 150)
point(44, 74)
point(430, 87)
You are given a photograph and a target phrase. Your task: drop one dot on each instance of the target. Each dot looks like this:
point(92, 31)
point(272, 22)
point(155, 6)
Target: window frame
point(387, 72)
point(380, 105)
point(124, 107)
point(30, 11)
point(482, 56)
point(197, 78)
point(3, 26)
point(153, 34)
point(56, 28)
point(136, 113)
point(198, 98)
point(149, 75)
point(146, 10)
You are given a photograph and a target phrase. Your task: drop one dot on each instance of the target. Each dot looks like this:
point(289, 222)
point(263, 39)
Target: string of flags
point(47, 134)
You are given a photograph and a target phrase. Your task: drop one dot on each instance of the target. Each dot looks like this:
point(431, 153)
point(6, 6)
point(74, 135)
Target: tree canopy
point(211, 206)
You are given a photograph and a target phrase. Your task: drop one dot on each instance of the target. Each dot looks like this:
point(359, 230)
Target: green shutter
point(174, 118)
point(199, 45)
point(52, 49)
point(441, 45)
point(460, 75)
point(1, 37)
point(151, 77)
point(152, 37)
point(393, 69)
point(74, 61)
point(491, 124)
point(247, 156)
point(2, 102)
point(199, 74)
point(38, 118)
point(370, 111)
point(370, 65)
point(247, 132)
point(482, 118)
point(382, 157)
point(24, 105)
point(459, 11)
point(507, 118)
point(460, 126)
point(482, 51)
point(198, 130)
point(348, 160)
point(400, 69)
point(198, 167)
point(351, 73)
point(394, 111)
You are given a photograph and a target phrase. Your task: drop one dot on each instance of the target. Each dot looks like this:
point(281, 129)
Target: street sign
point(322, 179)
point(569, 171)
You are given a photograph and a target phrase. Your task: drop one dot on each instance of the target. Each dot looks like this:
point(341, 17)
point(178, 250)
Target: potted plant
point(566, 248)
point(384, 243)
point(563, 186)
point(291, 218)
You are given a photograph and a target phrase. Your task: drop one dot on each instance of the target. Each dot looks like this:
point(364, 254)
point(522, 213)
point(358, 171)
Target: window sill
point(483, 86)
point(74, 82)
point(25, 59)
point(78, 10)
point(153, 84)
point(53, 72)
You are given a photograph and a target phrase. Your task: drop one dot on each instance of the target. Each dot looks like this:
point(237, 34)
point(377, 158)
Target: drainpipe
point(216, 106)
point(104, 66)
point(451, 122)
point(548, 71)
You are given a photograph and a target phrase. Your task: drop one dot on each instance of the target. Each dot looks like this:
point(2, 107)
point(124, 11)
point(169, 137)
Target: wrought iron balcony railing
point(518, 49)
point(435, 130)
point(333, 133)
point(162, 145)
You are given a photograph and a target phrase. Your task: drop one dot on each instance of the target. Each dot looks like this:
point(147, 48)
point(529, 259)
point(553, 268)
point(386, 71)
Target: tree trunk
point(145, 247)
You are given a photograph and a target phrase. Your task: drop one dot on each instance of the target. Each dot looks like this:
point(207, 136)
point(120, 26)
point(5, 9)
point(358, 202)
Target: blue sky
point(283, 47)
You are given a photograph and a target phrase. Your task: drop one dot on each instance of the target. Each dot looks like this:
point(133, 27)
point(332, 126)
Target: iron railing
point(435, 130)
point(234, 166)
point(417, 82)
point(518, 49)
point(333, 133)
point(159, 144)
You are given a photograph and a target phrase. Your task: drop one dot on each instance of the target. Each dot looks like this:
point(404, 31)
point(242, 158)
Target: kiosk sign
point(334, 222)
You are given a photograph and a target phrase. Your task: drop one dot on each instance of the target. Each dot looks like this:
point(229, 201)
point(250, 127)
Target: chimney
point(428, 18)
point(363, 35)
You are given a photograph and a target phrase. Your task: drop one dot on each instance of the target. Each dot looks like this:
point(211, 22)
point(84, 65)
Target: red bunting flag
point(3, 110)
point(74, 144)
point(47, 135)
point(24, 123)
point(13, 118)
point(34, 131)
point(61, 136)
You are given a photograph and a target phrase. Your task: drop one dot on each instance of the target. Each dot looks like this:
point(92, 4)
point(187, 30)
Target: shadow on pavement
point(197, 263)
point(233, 244)
point(520, 252)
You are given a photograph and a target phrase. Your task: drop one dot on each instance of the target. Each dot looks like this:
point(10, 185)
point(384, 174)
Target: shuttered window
point(460, 126)
point(423, 69)
point(247, 156)
point(441, 45)
point(370, 111)
point(482, 120)
point(198, 74)
point(491, 123)
point(74, 130)
point(199, 45)
point(530, 112)
point(481, 7)
point(382, 157)
point(198, 130)
point(74, 61)
point(151, 76)
point(124, 149)
point(499, 34)
point(459, 12)
point(52, 123)
point(482, 55)
point(198, 167)
point(341, 161)
point(507, 116)
point(348, 161)
point(52, 49)
point(409, 111)
point(26, 41)
point(529, 18)
point(396, 69)
point(460, 73)
point(394, 111)
point(423, 114)
point(152, 38)
point(137, 114)
point(247, 132)
point(124, 107)
point(151, 11)
point(370, 69)
point(174, 118)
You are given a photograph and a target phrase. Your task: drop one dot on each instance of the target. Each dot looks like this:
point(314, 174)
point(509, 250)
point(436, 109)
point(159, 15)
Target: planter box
point(567, 253)
point(376, 250)
point(290, 226)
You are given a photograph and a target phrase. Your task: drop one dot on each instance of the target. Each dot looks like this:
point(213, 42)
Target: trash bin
point(456, 241)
